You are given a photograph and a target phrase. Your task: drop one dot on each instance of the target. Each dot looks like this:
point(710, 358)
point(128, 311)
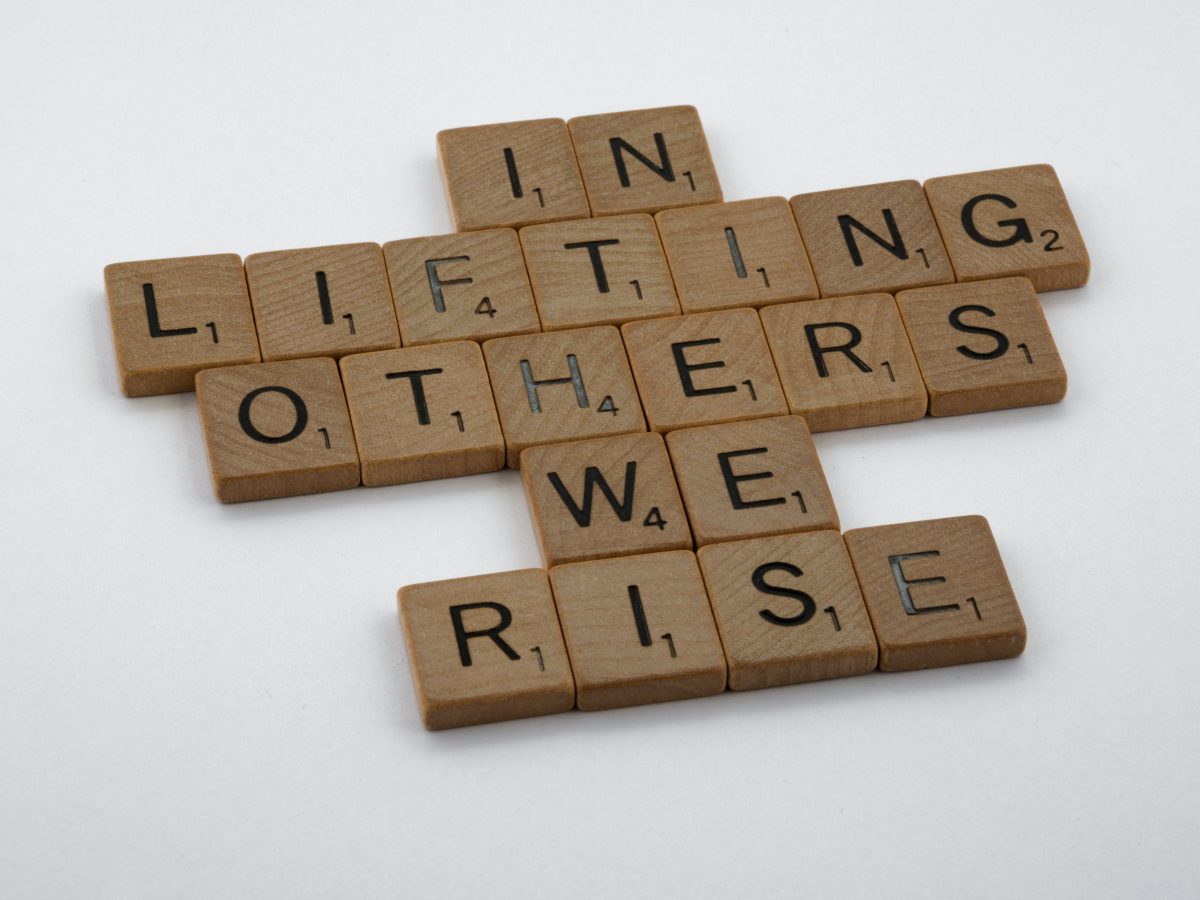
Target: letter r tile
point(485, 649)
point(937, 593)
point(610, 496)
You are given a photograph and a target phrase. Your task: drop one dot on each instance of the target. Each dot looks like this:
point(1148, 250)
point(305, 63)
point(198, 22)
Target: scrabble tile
point(609, 496)
point(644, 160)
point(277, 429)
point(983, 345)
point(638, 629)
point(422, 413)
point(788, 609)
point(937, 593)
point(173, 317)
point(511, 174)
point(598, 272)
point(703, 368)
point(880, 237)
point(751, 479)
point(727, 255)
point(485, 649)
point(846, 362)
point(562, 386)
point(467, 286)
point(321, 301)
point(1010, 222)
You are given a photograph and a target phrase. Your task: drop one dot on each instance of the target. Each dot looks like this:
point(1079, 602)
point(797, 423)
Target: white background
point(207, 701)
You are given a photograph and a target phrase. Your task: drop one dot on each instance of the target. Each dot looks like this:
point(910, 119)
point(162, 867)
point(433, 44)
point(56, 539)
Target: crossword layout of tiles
point(654, 361)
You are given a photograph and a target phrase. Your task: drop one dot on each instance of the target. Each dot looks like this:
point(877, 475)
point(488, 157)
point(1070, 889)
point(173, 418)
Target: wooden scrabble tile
point(598, 271)
point(788, 609)
point(467, 286)
point(937, 593)
point(703, 368)
point(609, 496)
point(727, 255)
point(511, 174)
point(321, 301)
point(562, 386)
point(276, 429)
point(880, 237)
point(751, 479)
point(638, 629)
point(983, 345)
point(1010, 222)
point(422, 413)
point(644, 160)
point(485, 649)
point(173, 317)
point(845, 363)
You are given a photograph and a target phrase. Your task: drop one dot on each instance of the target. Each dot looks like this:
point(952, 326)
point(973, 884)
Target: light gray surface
point(206, 701)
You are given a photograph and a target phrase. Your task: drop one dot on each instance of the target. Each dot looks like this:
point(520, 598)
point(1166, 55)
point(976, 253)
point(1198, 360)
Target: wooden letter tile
point(453, 287)
point(751, 479)
point(746, 253)
point(1010, 222)
point(598, 272)
point(511, 174)
point(562, 386)
point(321, 301)
point(638, 629)
point(277, 429)
point(880, 237)
point(422, 413)
point(644, 160)
point(788, 609)
point(845, 363)
point(937, 593)
point(703, 368)
point(485, 649)
point(610, 496)
point(983, 345)
point(173, 317)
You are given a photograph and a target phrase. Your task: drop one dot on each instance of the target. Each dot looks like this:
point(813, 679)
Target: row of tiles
point(172, 318)
point(441, 410)
point(674, 625)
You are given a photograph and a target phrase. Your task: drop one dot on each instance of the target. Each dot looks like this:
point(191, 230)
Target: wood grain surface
point(598, 271)
point(609, 496)
point(1010, 222)
point(638, 629)
point(277, 429)
point(422, 413)
point(983, 345)
point(173, 317)
point(878, 237)
point(728, 255)
point(845, 362)
point(937, 593)
point(485, 649)
point(676, 168)
point(788, 609)
point(511, 174)
point(321, 301)
point(703, 368)
point(467, 286)
point(562, 386)
point(751, 479)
